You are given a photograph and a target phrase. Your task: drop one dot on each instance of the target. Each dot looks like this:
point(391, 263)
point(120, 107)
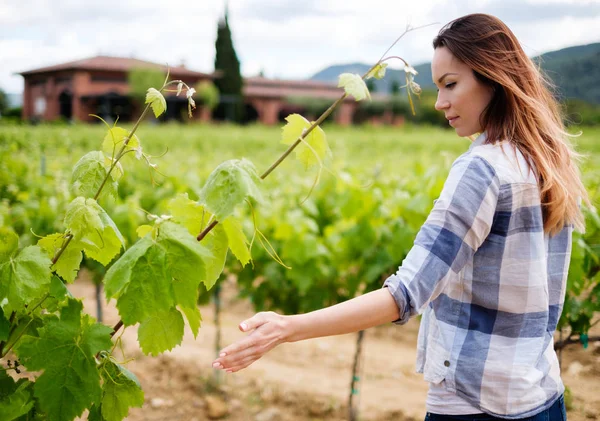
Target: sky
point(285, 39)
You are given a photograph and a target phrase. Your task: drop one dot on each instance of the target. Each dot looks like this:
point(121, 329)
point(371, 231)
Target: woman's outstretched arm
point(270, 329)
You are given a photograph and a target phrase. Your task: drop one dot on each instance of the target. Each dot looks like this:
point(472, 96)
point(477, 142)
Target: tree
point(141, 78)
point(3, 102)
point(230, 84)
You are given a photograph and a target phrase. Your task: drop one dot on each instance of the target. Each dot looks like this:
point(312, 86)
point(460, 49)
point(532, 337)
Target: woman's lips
point(451, 121)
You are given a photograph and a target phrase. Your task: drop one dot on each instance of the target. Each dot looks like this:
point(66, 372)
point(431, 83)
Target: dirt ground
point(302, 381)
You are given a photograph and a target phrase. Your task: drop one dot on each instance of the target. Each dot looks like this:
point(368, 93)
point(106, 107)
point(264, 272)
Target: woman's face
point(461, 96)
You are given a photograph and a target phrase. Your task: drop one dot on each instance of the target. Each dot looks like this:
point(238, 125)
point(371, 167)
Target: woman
point(488, 268)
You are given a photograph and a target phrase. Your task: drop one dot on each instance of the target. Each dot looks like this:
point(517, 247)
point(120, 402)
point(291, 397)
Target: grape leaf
point(66, 350)
point(94, 229)
point(228, 185)
point(157, 275)
point(216, 242)
point(121, 390)
point(113, 141)
point(9, 243)
point(119, 274)
point(194, 318)
point(156, 101)
point(190, 214)
point(149, 288)
point(16, 398)
point(89, 173)
point(378, 72)
point(4, 326)
point(24, 277)
point(143, 230)
point(161, 332)
point(354, 85)
point(186, 258)
point(237, 240)
point(317, 148)
point(69, 262)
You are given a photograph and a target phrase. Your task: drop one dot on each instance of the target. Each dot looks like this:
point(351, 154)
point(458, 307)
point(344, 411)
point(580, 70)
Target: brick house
point(98, 85)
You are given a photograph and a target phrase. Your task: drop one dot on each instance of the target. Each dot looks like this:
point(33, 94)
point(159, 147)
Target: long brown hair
point(522, 110)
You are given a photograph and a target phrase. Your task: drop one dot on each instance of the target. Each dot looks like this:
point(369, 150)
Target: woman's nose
point(441, 104)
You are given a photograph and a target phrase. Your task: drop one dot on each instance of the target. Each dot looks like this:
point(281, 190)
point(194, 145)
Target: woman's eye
point(450, 85)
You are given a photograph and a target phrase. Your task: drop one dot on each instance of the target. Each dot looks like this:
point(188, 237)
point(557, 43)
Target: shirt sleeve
point(457, 225)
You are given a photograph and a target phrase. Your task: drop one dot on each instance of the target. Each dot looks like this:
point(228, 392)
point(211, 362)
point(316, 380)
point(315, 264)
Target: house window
point(39, 105)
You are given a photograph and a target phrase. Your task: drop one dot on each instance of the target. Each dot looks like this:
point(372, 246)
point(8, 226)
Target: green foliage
point(578, 112)
point(65, 350)
point(121, 390)
point(24, 277)
point(3, 102)
point(229, 185)
point(313, 149)
point(157, 101)
point(139, 79)
point(340, 242)
point(208, 94)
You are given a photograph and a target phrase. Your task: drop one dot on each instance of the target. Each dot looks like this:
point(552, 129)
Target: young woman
point(488, 268)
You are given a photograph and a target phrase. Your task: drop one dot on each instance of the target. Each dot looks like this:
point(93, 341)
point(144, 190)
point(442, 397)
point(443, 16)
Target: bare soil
point(309, 380)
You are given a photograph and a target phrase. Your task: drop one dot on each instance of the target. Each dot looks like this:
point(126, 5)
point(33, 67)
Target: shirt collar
point(479, 140)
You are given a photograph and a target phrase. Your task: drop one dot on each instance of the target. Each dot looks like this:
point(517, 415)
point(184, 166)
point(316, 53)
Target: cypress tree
point(230, 83)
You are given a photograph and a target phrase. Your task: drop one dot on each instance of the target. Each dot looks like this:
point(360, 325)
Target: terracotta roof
point(277, 88)
point(117, 64)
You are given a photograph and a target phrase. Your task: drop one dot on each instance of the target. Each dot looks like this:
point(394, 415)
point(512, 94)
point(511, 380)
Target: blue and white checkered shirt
point(490, 285)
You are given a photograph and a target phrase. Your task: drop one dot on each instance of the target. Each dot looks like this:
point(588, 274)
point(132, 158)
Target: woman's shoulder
point(506, 159)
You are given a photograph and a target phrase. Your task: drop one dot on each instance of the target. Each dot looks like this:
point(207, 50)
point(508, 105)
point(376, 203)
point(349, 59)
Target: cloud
point(283, 11)
point(519, 11)
point(286, 39)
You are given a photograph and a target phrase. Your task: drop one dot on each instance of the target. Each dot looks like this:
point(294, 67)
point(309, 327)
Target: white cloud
point(286, 38)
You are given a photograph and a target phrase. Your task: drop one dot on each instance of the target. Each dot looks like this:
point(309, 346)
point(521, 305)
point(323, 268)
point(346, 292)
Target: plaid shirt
point(490, 285)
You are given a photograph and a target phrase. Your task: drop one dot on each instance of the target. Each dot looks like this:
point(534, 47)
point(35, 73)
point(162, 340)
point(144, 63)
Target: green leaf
point(354, 85)
point(313, 149)
point(188, 213)
point(237, 240)
point(16, 398)
point(69, 262)
point(113, 141)
point(94, 229)
point(143, 230)
point(149, 289)
point(186, 259)
point(9, 243)
point(88, 175)
point(216, 242)
point(378, 72)
point(95, 413)
point(25, 277)
point(65, 351)
point(161, 332)
point(121, 391)
point(118, 276)
point(194, 318)
point(82, 218)
point(230, 184)
point(156, 101)
point(4, 326)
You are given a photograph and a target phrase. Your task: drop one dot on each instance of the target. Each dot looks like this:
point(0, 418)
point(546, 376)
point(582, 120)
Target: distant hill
point(575, 71)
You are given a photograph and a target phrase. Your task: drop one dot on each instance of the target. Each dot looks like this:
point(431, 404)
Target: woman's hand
point(268, 329)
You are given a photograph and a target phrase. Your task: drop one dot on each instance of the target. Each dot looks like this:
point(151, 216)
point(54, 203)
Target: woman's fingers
point(265, 335)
